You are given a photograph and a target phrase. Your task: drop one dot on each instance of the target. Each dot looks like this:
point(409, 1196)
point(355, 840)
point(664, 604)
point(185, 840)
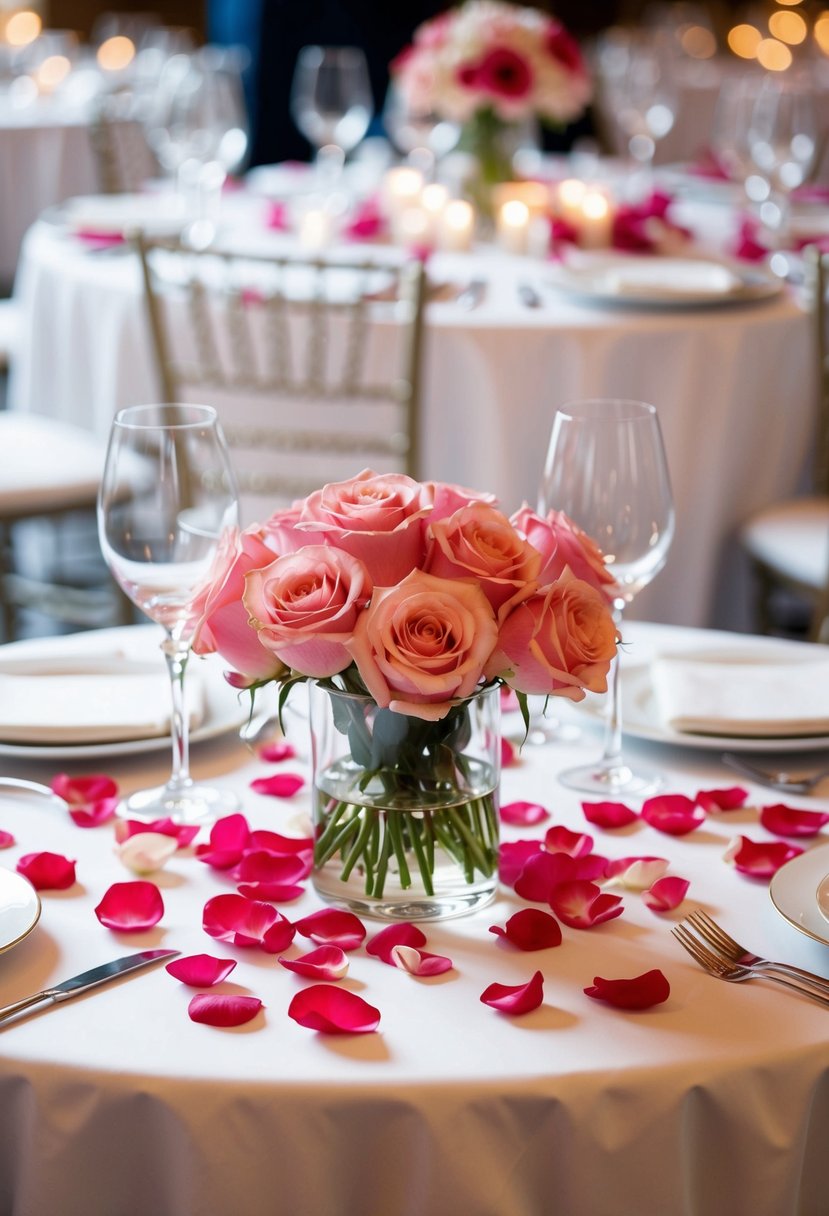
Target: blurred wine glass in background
point(421, 136)
point(331, 103)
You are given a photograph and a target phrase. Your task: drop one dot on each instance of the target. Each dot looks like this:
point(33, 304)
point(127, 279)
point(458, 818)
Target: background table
point(116, 1102)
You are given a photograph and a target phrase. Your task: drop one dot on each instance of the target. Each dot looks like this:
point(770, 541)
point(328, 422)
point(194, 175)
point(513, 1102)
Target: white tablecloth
point(714, 1103)
point(733, 386)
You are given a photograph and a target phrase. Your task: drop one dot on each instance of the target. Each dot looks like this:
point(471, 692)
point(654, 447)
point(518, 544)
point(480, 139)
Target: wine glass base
point(611, 780)
point(194, 804)
point(551, 730)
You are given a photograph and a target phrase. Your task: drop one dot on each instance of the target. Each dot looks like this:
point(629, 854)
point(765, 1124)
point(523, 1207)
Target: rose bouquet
point(404, 602)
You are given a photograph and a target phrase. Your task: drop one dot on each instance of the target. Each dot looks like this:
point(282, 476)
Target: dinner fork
point(776, 779)
point(724, 944)
point(722, 969)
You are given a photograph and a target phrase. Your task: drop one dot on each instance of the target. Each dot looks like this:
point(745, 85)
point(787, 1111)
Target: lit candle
point(315, 229)
point(115, 53)
point(596, 220)
point(569, 197)
point(513, 226)
point(413, 228)
point(457, 223)
point(401, 189)
point(534, 195)
point(52, 72)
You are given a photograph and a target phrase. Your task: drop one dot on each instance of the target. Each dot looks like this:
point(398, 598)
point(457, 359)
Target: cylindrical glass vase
point(406, 815)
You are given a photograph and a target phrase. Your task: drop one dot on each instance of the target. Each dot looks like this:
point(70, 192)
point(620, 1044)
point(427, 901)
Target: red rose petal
point(280, 935)
point(273, 892)
point(560, 839)
point(608, 814)
point(582, 904)
point(275, 753)
point(333, 1010)
point(324, 963)
point(507, 753)
point(403, 934)
point(212, 1009)
point(131, 907)
point(274, 842)
point(530, 929)
point(260, 866)
point(229, 838)
point(512, 856)
point(542, 872)
point(78, 791)
point(47, 871)
point(184, 833)
point(6, 840)
point(201, 970)
point(281, 785)
point(641, 992)
point(518, 999)
point(760, 859)
point(788, 821)
point(232, 918)
point(666, 893)
point(637, 873)
point(673, 814)
point(332, 927)
point(420, 962)
point(94, 813)
point(524, 813)
point(722, 800)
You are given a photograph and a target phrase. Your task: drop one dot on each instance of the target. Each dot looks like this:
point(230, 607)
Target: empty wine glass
point(331, 102)
point(730, 144)
point(422, 136)
point(167, 495)
point(606, 469)
point(783, 139)
point(645, 98)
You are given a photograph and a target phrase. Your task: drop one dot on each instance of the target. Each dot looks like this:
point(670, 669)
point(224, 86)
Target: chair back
point(817, 270)
point(123, 159)
point(313, 364)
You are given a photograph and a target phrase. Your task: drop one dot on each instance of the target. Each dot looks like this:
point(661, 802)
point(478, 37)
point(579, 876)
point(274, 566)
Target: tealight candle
point(457, 224)
point(413, 228)
point(401, 188)
point(569, 198)
point(596, 220)
point(513, 226)
point(52, 72)
point(315, 229)
point(534, 195)
point(116, 53)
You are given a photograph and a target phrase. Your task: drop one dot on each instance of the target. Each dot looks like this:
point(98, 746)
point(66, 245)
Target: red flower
point(504, 73)
point(645, 990)
point(563, 48)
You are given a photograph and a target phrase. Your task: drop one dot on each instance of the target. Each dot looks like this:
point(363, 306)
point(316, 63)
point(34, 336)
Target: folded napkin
point(64, 701)
point(673, 278)
point(712, 696)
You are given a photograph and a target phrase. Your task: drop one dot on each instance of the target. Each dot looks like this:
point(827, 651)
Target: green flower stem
point(382, 867)
point(324, 852)
point(472, 842)
point(422, 862)
point(395, 829)
point(359, 847)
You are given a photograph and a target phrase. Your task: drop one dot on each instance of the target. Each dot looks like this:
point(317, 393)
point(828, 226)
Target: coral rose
point(563, 545)
point(423, 643)
point(479, 542)
point(445, 498)
point(304, 607)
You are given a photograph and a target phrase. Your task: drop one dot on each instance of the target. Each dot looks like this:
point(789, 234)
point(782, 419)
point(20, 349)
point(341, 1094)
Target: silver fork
point(722, 969)
point(723, 943)
point(776, 779)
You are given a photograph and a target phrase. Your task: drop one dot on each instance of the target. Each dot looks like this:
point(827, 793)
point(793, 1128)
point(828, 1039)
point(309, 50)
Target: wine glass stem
point(176, 655)
point(612, 754)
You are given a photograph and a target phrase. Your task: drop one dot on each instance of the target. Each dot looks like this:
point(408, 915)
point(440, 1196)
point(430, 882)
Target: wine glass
point(783, 140)
point(420, 135)
point(331, 102)
point(606, 469)
point(646, 99)
point(166, 497)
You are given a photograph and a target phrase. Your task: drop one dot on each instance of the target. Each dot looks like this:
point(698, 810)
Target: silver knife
point(528, 296)
point(472, 295)
point(88, 979)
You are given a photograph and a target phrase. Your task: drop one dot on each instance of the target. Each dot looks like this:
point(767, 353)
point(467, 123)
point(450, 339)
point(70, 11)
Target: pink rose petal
point(94, 813)
point(637, 873)
point(47, 871)
point(79, 791)
point(788, 821)
point(560, 839)
point(281, 785)
point(275, 753)
point(512, 857)
point(333, 1010)
point(507, 753)
point(673, 814)
point(420, 962)
point(212, 1009)
point(131, 907)
point(582, 904)
point(333, 927)
point(541, 873)
point(6, 839)
point(402, 934)
point(146, 852)
point(530, 929)
point(524, 814)
point(760, 859)
point(274, 842)
point(641, 992)
point(666, 894)
point(608, 814)
point(232, 918)
point(273, 892)
point(324, 963)
point(201, 970)
point(182, 833)
point(280, 935)
point(517, 999)
point(229, 838)
point(260, 866)
point(730, 799)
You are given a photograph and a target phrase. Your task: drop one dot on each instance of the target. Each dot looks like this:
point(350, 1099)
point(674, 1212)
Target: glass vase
point(491, 145)
point(406, 815)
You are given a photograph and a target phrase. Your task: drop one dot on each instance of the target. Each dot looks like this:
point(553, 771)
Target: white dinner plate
point(157, 214)
point(823, 897)
point(793, 890)
point(652, 281)
point(19, 908)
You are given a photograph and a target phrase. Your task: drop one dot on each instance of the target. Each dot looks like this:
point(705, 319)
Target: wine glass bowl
point(331, 99)
point(783, 143)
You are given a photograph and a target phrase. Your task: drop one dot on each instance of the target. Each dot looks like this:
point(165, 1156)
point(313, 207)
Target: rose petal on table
point(641, 992)
point(542, 872)
point(94, 813)
point(581, 904)
point(560, 839)
point(275, 842)
point(275, 753)
point(637, 873)
point(730, 799)
point(215, 1009)
point(183, 833)
point(666, 893)
point(229, 839)
point(281, 785)
point(784, 820)
point(333, 1010)
point(507, 753)
point(324, 963)
point(673, 814)
point(608, 814)
point(78, 791)
point(232, 918)
point(280, 935)
point(759, 859)
point(530, 929)
point(6, 839)
point(273, 892)
point(257, 865)
point(403, 934)
point(512, 857)
point(523, 814)
point(515, 999)
point(47, 871)
point(333, 927)
point(420, 962)
point(146, 852)
point(131, 907)
point(201, 970)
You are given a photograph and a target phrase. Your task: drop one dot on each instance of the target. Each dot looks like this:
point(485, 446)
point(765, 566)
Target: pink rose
point(563, 545)
point(479, 542)
point(560, 640)
point(222, 624)
point(424, 642)
point(283, 534)
point(446, 499)
point(305, 605)
point(378, 519)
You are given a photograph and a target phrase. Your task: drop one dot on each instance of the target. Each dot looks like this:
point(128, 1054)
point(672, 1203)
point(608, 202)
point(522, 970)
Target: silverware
point(528, 296)
point(30, 787)
point(86, 980)
point(774, 778)
point(722, 969)
point(722, 943)
point(472, 295)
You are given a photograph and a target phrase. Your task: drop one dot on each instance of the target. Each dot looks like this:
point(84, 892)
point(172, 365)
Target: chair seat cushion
point(792, 538)
point(46, 465)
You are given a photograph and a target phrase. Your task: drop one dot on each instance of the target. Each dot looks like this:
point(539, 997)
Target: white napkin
point(670, 277)
point(63, 700)
point(766, 699)
point(157, 214)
